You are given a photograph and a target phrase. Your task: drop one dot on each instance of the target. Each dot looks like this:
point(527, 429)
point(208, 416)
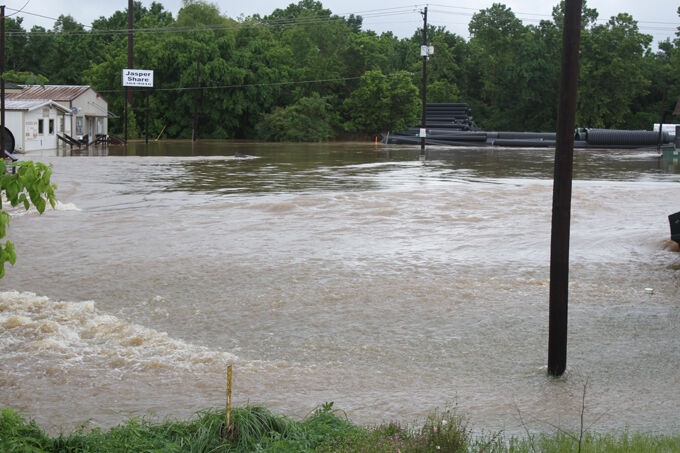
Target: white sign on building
point(137, 78)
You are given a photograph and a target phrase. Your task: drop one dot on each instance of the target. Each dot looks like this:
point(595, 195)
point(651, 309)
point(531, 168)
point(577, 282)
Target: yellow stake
point(228, 420)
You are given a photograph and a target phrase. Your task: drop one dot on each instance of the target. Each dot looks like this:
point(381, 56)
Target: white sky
point(658, 18)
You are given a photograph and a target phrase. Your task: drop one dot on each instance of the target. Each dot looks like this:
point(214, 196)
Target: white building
point(89, 110)
point(35, 123)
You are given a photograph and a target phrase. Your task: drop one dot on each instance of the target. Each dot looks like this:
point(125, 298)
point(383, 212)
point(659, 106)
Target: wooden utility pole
point(129, 93)
point(423, 117)
point(146, 120)
point(125, 102)
point(131, 47)
point(561, 212)
point(194, 132)
point(2, 81)
point(662, 116)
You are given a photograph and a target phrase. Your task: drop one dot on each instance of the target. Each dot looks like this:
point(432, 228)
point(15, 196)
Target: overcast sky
point(658, 18)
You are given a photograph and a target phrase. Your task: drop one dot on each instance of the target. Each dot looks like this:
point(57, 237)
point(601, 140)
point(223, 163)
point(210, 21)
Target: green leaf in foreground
point(32, 179)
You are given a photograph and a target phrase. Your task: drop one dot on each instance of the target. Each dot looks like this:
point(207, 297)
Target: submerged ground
point(347, 273)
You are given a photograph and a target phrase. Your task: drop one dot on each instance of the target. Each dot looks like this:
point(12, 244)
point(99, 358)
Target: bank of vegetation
point(326, 430)
point(303, 73)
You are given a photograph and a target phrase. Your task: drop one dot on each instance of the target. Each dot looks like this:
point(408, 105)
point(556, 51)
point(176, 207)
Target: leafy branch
point(30, 185)
point(25, 78)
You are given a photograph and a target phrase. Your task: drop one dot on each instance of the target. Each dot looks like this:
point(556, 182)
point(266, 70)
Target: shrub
point(307, 120)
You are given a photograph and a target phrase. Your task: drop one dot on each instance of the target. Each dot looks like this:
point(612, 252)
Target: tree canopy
point(259, 74)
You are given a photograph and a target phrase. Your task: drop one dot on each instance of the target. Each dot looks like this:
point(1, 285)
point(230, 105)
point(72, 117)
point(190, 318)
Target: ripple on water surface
point(387, 285)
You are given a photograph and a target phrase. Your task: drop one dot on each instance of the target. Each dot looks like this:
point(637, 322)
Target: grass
point(327, 429)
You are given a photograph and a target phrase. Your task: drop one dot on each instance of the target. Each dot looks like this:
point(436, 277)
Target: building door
point(90, 129)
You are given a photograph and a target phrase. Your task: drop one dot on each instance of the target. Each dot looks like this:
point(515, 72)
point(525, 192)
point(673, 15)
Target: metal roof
point(53, 92)
point(32, 104)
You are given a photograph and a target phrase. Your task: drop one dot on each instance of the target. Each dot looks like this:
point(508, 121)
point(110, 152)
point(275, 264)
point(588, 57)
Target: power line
point(247, 85)
point(18, 11)
point(641, 25)
point(40, 15)
point(250, 22)
point(548, 16)
point(185, 29)
point(257, 21)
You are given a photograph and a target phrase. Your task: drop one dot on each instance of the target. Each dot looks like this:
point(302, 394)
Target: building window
point(41, 128)
point(79, 125)
point(100, 125)
point(51, 126)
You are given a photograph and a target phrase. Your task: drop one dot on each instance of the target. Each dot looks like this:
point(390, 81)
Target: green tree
point(29, 185)
point(610, 73)
point(105, 67)
point(532, 102)
point(39, 51)
point(645, 108)
point(15, 44)
point(70, 52)
point(309, 9)
point(108, 34)
point(199, 13)
point(265, 65)
point(27, 78)
point(251, 66)
point(308, 120)
point(496, 35)
point(446, 68)
point(319, 44)
point(382, 103)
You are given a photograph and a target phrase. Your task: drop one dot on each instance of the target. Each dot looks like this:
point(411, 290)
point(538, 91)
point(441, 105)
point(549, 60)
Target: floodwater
point(348, 273)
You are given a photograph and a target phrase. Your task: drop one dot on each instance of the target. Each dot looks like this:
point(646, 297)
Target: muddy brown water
point(346, 273)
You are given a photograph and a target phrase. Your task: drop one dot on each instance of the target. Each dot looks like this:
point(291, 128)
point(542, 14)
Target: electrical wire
point(180, 29)
point(250, 22)
point(18, 11)
point(365, 15)
point(40, 15)
point(247, 85)
point(547, 16)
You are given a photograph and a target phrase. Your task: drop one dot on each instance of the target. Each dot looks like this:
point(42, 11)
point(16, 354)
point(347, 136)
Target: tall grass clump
point(256, 425)
point(255, 428)
point(325, 430)
point(442, 432)
point(18, 435)
point(137, 434)
point(592, 443)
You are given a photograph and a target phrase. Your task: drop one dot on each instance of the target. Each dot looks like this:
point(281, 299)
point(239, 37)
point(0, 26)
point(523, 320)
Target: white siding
point(34, 138)
point(90, 107)
point(15, 123)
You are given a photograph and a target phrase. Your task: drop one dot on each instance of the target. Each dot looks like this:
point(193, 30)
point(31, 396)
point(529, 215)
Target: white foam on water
point(37, 328)
point(59, 206)
point(20, 211)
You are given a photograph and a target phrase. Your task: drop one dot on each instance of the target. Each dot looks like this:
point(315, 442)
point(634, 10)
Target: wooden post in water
point(146, 119)
point(561, 212)
point(662, 116)
point(423, 119)
point(129, 93)
point(194, 131)
point(125, 114)
point(131, 48)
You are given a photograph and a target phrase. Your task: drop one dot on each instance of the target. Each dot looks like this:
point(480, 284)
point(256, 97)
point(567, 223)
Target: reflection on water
point(211, 166)
point(342, 272)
